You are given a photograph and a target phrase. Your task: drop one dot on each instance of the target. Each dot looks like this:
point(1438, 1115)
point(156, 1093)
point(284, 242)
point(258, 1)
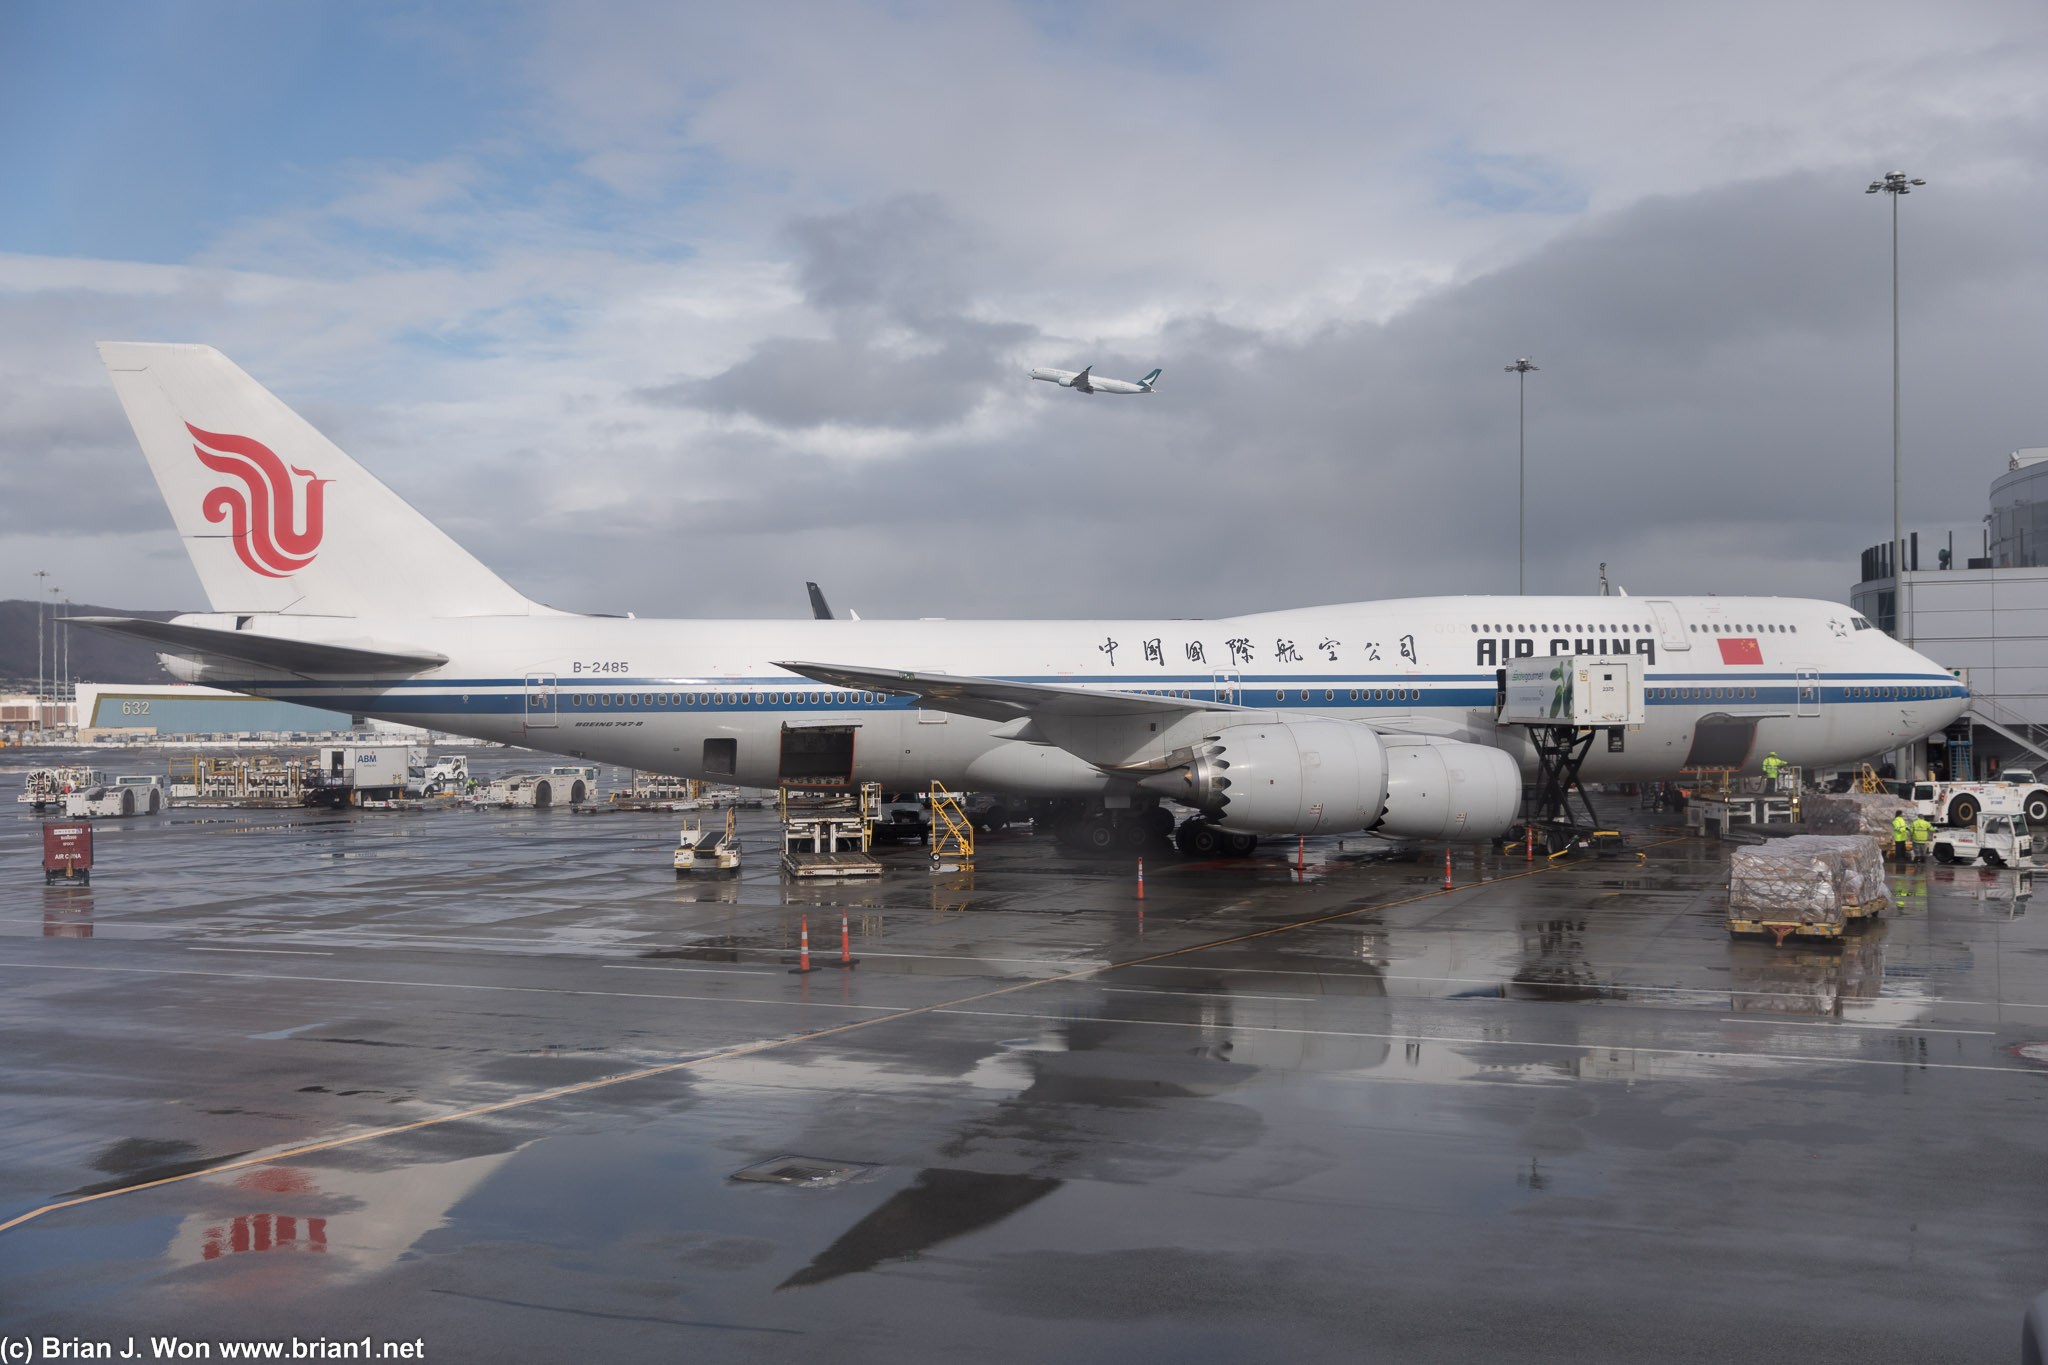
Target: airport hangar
point(110, 712)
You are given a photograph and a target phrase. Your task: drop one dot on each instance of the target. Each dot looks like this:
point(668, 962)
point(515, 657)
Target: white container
point(1580, 690)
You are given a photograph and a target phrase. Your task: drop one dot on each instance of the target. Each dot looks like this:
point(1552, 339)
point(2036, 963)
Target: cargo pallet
point(1780, 930)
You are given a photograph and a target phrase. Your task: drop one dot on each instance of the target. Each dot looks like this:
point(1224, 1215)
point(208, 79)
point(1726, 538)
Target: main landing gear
point(1137, 830)
point(1197, 838)
point(1132, 830)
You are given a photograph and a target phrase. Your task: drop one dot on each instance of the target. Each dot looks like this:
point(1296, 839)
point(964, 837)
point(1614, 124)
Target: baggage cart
point(67, 854)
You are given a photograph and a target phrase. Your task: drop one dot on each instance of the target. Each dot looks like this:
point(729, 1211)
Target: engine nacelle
point(1332, 777)
point(1438, 789)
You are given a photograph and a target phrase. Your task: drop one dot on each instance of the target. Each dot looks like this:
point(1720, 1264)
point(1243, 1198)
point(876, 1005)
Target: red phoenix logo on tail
point(261, 513)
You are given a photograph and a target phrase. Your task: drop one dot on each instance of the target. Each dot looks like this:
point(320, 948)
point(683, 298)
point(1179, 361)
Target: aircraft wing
point(995, 699)
point(303, 657)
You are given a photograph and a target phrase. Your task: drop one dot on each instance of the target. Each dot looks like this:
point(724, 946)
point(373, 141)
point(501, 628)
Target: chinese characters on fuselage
point(1240, 650)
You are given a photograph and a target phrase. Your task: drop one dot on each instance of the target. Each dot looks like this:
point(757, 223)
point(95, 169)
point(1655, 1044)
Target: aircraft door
point(1229, 687)
point(817, 756)
point(1671, 633)
point(1809, 691)
point(540, 701)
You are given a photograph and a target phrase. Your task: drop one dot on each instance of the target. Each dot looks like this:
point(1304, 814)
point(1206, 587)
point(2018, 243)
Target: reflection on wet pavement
point(1806, 978)
point(1313, 1108)
point(938, 1205)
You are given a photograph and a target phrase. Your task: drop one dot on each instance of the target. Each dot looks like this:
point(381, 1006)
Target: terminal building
point(1985, 619)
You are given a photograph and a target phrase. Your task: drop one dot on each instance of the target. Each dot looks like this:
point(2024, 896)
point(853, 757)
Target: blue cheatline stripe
point(507, 696)
point(1201, 682)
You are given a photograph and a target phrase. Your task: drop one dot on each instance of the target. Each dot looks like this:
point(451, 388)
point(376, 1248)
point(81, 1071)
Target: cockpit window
point(1859, 623)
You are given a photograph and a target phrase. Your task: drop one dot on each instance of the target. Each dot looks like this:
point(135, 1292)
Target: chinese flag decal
point(1740, 651)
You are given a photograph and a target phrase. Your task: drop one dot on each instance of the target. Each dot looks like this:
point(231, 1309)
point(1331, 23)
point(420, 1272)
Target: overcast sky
point(668, 308)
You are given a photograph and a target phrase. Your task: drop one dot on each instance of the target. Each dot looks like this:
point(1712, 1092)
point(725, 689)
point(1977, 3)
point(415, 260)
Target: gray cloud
point(893, 282)
point(1712, 415)
point(1332, 228)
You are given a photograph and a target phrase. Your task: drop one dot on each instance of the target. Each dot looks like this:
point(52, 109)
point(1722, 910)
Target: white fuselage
point(1817, 685)
point(1091, 384)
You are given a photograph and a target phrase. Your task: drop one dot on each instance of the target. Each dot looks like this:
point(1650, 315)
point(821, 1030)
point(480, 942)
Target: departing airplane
point(329, 589)
point(1085, 382)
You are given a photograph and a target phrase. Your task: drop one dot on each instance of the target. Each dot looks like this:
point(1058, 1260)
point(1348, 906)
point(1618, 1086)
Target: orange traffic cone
point(846, 957)
point(1447, 869)
point(804, 951)
point(1140, 893)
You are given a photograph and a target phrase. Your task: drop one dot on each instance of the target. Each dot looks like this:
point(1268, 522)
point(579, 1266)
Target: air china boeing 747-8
point(329, 589)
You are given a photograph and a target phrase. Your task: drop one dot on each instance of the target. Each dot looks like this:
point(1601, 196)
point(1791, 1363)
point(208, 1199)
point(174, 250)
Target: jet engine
point(1332, 777)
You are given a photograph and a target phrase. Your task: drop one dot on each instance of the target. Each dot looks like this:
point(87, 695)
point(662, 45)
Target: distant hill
point(94, 657)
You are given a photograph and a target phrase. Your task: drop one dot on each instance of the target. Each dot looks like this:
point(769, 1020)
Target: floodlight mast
point(40, 574)
point(1897, 184)
point(1520, 370)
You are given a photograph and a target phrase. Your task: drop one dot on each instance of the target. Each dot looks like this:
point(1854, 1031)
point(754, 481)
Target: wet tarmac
point(485, 1081)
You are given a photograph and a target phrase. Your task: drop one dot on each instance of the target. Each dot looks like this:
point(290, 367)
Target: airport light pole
point(1520, 370)
point(40, 574)
point(64, 651)
point(1895, 185)
point(56, 655)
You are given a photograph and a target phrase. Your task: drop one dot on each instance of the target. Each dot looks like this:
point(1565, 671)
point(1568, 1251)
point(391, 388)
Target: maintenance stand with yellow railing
point(952, 836)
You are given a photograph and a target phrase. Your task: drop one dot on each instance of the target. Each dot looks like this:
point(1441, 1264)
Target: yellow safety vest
point(1900, 833)
point(1922, 831)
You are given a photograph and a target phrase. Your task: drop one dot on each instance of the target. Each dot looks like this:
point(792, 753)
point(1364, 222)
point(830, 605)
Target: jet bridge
point(1567, 703)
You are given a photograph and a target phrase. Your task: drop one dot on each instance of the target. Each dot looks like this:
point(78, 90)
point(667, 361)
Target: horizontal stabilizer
point(994, 699)
point(304, 657)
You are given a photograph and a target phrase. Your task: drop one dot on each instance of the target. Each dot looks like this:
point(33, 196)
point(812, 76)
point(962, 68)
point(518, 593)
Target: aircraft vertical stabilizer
point(275, 516)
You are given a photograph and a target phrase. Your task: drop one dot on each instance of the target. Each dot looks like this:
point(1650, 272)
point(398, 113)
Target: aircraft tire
point(1200, 839)
point(1963, 811)
point(1097, 834)
point(2037, 806)
point(1134, 835)
point(1241, 845)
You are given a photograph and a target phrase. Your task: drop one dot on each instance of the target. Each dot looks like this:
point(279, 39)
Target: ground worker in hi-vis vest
point(1923, 835)
point(1902, 838)
point(1773, 765)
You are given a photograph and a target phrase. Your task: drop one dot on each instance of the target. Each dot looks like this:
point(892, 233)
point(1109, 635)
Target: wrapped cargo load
point(1783, 882)
point(1862, 882)
point(1856, 813)
point(1811, 879)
